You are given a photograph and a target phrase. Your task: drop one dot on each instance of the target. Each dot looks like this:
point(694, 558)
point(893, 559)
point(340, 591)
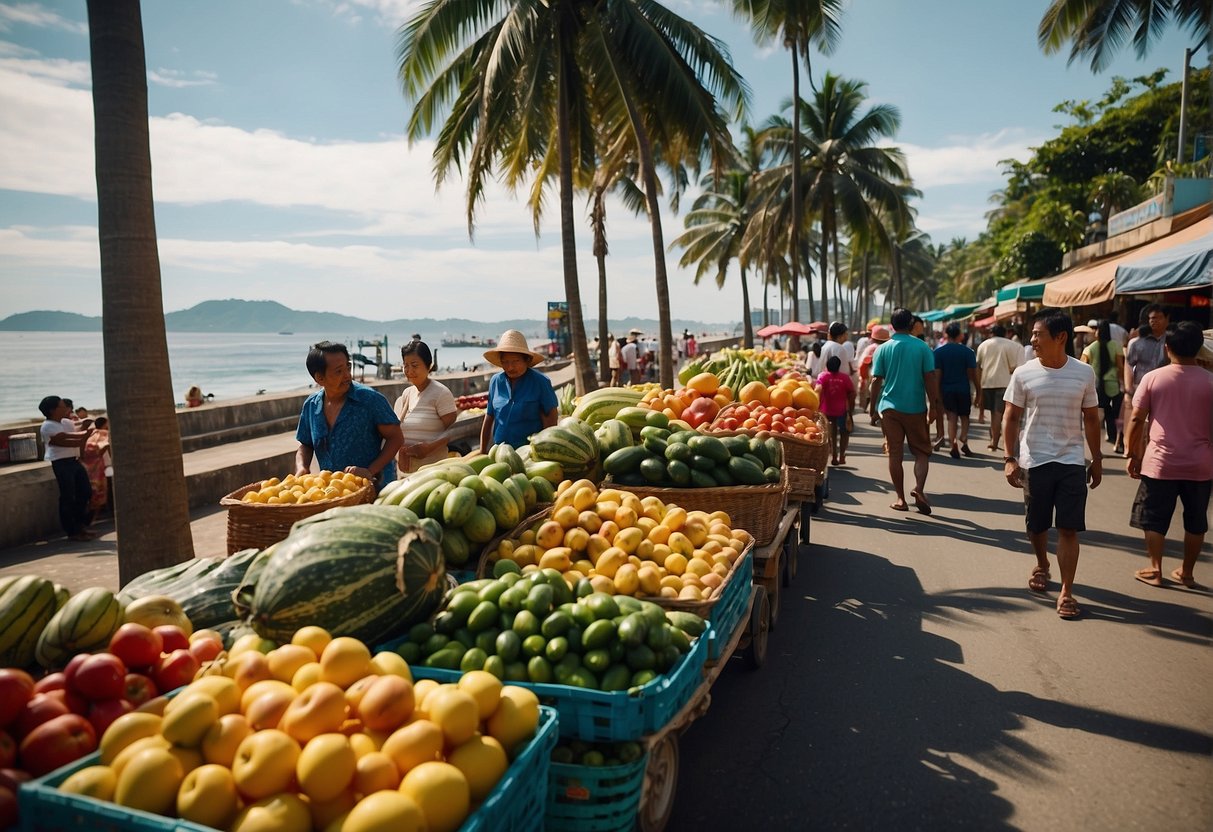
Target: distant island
point(271, 316)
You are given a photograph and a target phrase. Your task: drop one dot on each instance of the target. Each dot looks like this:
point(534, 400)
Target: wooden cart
point(774, 568)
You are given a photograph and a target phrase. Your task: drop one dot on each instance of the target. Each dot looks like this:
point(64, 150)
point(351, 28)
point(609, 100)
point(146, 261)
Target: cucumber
point(710, 447)
point(678, 472)
point(653, 469)
point(625, 461)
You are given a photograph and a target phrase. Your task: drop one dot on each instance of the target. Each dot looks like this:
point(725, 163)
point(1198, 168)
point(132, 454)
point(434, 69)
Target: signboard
point(560, 336)
point(1152, 209)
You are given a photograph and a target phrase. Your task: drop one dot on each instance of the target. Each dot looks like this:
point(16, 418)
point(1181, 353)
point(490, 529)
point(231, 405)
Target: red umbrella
point(768, 330)
point(795, 328)
point(819, 326)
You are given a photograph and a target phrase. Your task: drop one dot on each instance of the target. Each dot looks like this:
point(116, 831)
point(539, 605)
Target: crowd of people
point(1054, 407)
point(78, 449)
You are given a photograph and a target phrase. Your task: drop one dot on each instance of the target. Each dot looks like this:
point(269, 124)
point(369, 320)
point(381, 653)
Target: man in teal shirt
point(905, 394)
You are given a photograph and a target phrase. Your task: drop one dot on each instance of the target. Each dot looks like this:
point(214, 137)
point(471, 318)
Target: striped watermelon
point(83, 625)
point(599, 405)
point(343, 575)
point(27, 605)
point(565, 445)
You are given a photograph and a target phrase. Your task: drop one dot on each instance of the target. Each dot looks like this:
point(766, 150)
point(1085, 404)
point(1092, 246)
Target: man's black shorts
point(1155, 504)
point(958, 403)
point(1055, 486)
point(991, 397)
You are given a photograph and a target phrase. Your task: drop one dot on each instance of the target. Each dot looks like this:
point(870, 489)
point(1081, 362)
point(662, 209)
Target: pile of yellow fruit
point(626, 545)
point(315, 734)
point(311, 488)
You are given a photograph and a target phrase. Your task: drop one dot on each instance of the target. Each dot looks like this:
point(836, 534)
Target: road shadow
point(862, 720)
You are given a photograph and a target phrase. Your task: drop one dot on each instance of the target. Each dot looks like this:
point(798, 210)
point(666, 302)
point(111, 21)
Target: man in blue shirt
point(903, 382)
point(521, 399)
point(347, 426)
point(956, 365)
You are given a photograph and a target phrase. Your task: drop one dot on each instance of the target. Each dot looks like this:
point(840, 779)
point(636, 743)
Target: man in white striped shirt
point(1056, 394)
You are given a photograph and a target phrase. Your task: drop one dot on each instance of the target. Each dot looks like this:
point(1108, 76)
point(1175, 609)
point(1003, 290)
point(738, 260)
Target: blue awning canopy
point(934, 315)
point(1187, 265)
point(1033, 290)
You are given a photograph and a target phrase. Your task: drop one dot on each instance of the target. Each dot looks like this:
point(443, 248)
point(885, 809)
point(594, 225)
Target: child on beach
point(837, 401)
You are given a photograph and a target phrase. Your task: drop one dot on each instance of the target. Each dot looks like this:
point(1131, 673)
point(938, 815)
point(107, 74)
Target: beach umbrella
point(769, 330)
point(819, 327)
point(794, 328)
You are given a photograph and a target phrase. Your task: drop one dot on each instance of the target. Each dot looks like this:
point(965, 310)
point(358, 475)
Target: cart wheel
point(791, 548)
point(775, 598)
point(660, 784)
point(760, 625)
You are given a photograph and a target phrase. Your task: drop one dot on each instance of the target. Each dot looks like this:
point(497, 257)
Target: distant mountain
point(44, 321)
point(271, 316)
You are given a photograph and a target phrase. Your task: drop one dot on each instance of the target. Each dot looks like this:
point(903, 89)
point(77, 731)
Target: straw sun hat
point(512, 341)
point(880, 334)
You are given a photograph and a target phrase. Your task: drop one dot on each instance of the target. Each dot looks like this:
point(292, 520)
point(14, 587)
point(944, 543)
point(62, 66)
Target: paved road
point(915, 683)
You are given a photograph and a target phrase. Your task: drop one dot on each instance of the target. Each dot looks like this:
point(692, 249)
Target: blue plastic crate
point(728, 610)
point(597, 715)
point(510, 807)
point(594, 798)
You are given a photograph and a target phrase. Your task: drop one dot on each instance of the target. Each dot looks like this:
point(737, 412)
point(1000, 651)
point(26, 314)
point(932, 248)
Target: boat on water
point(286, 332)
point(468, 341)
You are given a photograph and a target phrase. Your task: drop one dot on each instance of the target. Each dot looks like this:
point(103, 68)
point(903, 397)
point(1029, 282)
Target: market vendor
point(521, 399)
point(347, 426)
point(426, 410)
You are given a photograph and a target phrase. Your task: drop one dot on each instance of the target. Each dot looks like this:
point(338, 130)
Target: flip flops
point(1177, 575)
point(1067, 608)
point(920, 502)
point(1039, 580)
point(1153, 577)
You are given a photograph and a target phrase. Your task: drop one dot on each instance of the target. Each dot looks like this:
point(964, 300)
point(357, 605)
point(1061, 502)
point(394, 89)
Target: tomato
point(173, 637)
point(175, 669)
point(728, 423)
point(700, 412)
point(105, 711)
point(16, 688)
point(205, 649)
point(8, 751)
point(76, 703)
point(72, 667)
point(741, 411)
point(102, 676)
point(51, 681)
point(139, 689)
point(43, 707)
point(56, 743)
point(750, 424)
point(137, 645)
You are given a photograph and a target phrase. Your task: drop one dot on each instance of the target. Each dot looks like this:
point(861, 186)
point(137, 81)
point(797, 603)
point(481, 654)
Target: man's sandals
point(1039, 581)
point(1068, 608)
point(1153, 577)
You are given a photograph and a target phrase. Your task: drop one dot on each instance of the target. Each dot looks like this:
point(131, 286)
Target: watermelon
point(568, 447)
point(612, 436)
point(84, 625)
point(599, 405)
point(203, 589)
point(352, 576)
point(27, 605)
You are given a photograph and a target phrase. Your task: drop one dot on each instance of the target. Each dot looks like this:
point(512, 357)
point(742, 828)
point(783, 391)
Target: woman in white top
point(426, 410)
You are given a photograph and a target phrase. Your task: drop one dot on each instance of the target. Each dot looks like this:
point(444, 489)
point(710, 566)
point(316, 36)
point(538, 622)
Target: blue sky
point(281, 172)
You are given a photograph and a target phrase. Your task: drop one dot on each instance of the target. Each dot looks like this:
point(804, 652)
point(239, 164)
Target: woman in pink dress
point(95, 457)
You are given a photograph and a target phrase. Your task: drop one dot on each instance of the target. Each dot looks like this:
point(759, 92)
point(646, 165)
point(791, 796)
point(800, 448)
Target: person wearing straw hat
point(521, 399)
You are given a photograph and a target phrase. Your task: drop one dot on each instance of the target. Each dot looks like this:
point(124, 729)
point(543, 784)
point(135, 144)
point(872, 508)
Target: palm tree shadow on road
point(861, 719)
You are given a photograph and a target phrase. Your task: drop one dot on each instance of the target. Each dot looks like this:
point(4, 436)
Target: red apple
point(105, 711)
point(139, 689)
point(72, 667)
point(205, 649)
point(57, 743)
point(137, 645)
point(51, 681)
point(42, 708)
point(16, 688)
point(12, 778)
point(8, 751)
point(174, 638)
point(176, 669)
point(102, 676)
point(76, 703)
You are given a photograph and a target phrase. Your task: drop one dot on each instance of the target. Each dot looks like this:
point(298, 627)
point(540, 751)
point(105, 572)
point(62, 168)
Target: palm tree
point(515, 73)
point(1113, 191)
point(152, 519)
point(1095, 29)
point(797, 25)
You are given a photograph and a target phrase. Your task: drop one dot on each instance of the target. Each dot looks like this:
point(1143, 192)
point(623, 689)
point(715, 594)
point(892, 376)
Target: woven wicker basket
point(257, 525)
point(798, 451)
point(802, 483)
point(755, 508)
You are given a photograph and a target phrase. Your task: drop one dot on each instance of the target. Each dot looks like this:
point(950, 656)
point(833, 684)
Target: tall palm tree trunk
point(598, 221)
point(838, 299)
point(864, 290)
point(794, 340)
point(825, 274)
point(152, 503)
point(748, 331)
point(766, 301)
point(584, 381)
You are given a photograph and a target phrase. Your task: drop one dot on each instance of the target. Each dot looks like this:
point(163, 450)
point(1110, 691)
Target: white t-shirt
point(998, 358)
point(629, 355)
point(846, 355)
point(1053, 401)
point(421, 415)
point(56, 452)
point(614, 357)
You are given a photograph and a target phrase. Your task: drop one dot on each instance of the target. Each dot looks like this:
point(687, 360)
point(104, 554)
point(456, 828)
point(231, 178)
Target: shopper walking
point(997, 358)
point(905, 397)
point(1049, 393)
point(1107, 359)
point(614, 359)
point(956, 366)
point(63, 446)
point(837, 403)
point(1177, 464)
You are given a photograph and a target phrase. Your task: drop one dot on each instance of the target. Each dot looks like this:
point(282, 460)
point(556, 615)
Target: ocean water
point(228, 365)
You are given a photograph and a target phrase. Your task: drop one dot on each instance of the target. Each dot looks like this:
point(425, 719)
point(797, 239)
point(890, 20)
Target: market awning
point(960, 310)
point(985, 322)
point(1186, 263)
point(1028, 290)
point(934, 315)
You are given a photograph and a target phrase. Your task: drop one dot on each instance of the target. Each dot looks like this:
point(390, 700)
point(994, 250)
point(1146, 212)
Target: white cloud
point(32, 14)
point(177, 78)
point(966, 160)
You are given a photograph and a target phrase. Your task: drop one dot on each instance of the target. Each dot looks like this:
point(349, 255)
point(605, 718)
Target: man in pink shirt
point(1177, 464)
